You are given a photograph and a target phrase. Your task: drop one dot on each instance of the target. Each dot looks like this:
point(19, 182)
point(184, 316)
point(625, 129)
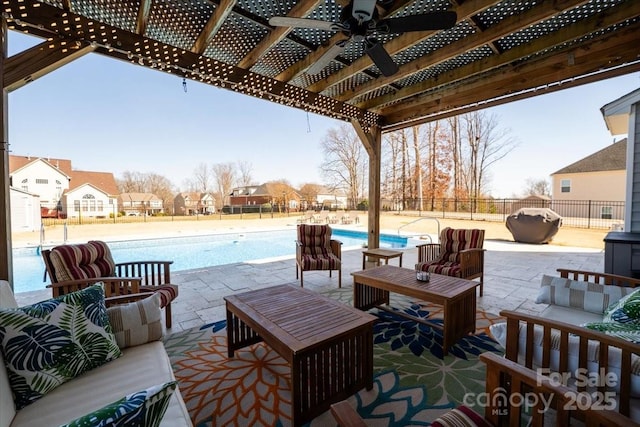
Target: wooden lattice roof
point(497, 51)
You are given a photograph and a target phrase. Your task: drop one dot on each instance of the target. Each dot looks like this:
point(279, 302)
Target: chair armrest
point(472, 262)
point(336, 248)
point(345, 415)
point(113, 286)
point(505, 376)
point(601, 278)
point(428, 252)
point(153, 273)
point(556, 336)
point(124, 299)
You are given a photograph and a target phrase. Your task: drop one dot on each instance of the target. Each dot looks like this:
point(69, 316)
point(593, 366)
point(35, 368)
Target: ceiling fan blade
point(285, 21)
point(324, 60)
point(381, 57)
point(426, 22)
point(362, 10)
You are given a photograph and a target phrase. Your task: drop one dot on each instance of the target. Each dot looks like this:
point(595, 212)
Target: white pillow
point(586, 296)
point(499, 333)
point(137, 322)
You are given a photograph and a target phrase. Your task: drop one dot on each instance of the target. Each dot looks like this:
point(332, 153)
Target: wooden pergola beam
point(6, 254)
point(605, 19)
point(618, 48)
point(143, 16)
point(300, 10)
point(213, 25)
point(299, 67)
point(398, 44)
point(33, 63)
point(544, 10)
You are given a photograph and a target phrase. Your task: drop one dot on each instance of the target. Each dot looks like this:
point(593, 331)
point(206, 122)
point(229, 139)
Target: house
point(599, 177)
point(331, 199)
point(25, 210)
point(136, 204)
point(192, 203)
point(270, 193)
point(64, 192)
point(531, 201)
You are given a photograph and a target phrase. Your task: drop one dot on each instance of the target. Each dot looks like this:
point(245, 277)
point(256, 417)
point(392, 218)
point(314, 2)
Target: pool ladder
point(420, 219)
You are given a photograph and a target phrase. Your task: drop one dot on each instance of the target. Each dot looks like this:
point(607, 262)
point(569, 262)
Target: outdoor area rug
point(413, 382)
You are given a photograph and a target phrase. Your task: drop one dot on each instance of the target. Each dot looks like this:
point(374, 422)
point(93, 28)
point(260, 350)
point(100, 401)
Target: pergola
point(497, 52)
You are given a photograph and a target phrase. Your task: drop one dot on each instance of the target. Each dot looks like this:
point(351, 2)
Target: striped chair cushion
point(320, 262)
point(83, 261)
point(315, 239)
point(445, 268)
point(452, 241)
point(462, 416)
point(167, 293)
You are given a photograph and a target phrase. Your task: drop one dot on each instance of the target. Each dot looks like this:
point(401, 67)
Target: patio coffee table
point(458, 297)
point(329, 345)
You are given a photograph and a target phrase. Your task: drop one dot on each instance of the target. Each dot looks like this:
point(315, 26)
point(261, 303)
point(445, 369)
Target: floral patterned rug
point(413, 382)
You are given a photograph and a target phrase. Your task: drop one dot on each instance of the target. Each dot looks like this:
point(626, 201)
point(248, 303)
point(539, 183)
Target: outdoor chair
point(459, 254)
point(93, 260)
point(316, 250)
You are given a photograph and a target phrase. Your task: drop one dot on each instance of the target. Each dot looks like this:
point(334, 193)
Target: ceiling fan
point(359, 21)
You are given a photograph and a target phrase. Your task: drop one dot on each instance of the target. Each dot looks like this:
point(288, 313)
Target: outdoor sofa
point(143, 364)
point(576, 338)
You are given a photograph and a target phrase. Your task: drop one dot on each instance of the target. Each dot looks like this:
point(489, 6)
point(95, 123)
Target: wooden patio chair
point(459, 254)
point(316, 250)
point(93, 260)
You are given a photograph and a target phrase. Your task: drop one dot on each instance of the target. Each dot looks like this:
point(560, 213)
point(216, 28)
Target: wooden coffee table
point(458, 297)
point(328, 344)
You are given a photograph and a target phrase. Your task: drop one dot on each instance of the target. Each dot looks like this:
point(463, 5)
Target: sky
point(142, 120)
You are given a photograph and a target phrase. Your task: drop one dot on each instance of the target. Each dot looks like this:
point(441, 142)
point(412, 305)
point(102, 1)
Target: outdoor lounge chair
point(316, 250)
point(458, 254)
point(93, 260)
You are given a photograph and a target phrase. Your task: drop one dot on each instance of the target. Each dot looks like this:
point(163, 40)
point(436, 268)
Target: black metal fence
point(574, 213)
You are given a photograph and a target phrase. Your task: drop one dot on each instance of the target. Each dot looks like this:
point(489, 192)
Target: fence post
point(64, 234)
point(589, 215)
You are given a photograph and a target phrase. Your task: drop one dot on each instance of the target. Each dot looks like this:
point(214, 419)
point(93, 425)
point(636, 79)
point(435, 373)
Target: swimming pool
point(195, 252)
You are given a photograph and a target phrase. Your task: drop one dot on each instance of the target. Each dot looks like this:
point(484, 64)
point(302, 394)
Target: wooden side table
point(378, 254)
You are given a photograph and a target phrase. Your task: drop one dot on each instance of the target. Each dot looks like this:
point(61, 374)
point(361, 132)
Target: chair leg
point(301, 278)
point(167, 313)
point(340, 278)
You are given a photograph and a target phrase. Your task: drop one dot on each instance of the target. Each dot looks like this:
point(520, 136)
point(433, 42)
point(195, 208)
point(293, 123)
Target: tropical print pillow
point(141, 409)
point(48, 343)
point(626, 331)
point(626, 310)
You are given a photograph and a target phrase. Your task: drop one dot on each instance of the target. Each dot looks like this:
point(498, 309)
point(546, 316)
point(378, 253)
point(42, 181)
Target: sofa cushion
point(499, 333)
point(462, 416)
point(49, 343)
point(83, 261)
point(138, 322)
point(141, 409)
point(138, 368)
point(587, 296)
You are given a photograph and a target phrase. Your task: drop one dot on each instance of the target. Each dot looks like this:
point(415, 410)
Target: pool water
point(194, 252)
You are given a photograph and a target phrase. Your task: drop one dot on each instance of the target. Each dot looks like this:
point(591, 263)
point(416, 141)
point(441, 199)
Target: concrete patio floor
point(512, 278)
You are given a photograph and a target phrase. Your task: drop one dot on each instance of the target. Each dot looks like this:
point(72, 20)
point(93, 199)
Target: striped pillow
point(586, 296)
point(461, 416)
point(138, 322)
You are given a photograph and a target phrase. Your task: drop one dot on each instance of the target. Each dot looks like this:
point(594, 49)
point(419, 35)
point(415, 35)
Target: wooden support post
point(6, 259)
point(372, 140)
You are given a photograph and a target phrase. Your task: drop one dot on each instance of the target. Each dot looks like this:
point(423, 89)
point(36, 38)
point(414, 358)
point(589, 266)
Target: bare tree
point(132, 182)
point(345, 162)
point(161, 187)
point(245, 169)
point(202, 176)
point(486, 143)
point(309, 193)
point(537, 187)
point(225, 179)
point(390, 185)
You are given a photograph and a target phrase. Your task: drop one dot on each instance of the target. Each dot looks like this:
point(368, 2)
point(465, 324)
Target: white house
point(25, 210)
point(87, 200)
point(39, 176)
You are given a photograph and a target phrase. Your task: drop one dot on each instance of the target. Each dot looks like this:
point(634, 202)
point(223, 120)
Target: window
point(607, 212)
point(565, 186)
point(42, 181)
point(76, 205)
point(100, 206)
point(88, 203)
point(25, 186)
